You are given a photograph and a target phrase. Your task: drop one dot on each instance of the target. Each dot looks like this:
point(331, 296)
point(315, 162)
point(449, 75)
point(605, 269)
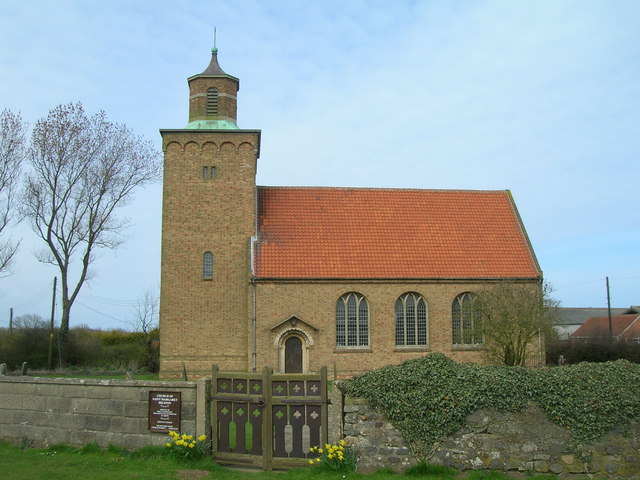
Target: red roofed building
point(301, 277)
point(624, 328)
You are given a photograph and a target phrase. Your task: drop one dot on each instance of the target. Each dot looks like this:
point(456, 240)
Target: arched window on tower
point(212, 102)
point(411, 320)
point(207, 266)
point(352, 321)
point(466, 320)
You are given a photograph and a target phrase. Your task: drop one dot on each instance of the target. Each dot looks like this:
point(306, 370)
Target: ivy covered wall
point(473, 416)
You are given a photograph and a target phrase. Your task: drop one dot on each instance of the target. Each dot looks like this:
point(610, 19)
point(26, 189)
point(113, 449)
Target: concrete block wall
point(47, 411)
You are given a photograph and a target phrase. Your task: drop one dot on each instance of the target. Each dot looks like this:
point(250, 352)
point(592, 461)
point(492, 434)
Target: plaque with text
point(164, 411)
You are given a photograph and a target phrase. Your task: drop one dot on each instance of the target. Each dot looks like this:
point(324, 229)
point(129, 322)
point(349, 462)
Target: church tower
point(208, 219)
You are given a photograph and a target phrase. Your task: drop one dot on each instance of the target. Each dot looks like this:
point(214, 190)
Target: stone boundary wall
point(523, 442)
point(47, 411)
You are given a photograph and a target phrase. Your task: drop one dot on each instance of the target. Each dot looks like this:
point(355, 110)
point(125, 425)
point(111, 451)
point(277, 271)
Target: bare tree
point(146, 321)
point(515, 317)
point(146, 313)
point(12, 153)
point(30, 320)
point(83, 169)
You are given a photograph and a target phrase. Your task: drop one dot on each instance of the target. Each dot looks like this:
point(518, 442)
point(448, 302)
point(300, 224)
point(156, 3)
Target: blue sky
point(539, 97)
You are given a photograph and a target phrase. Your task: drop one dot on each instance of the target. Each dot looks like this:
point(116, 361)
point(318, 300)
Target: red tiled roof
point(624, 326)
point(390, 233)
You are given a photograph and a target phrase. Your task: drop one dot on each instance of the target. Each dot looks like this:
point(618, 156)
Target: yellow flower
point(202, 438)
point(311, 462)
point(167, 444)
point(191, 445)
point(327, 445)
point(320, 450)
point(318, 460)
point(330, 456)
point(342, 444)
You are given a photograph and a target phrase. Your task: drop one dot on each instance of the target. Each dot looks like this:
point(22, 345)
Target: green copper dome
point(212, 125)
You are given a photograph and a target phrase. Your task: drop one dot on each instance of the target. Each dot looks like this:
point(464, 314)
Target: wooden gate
point(266, 419)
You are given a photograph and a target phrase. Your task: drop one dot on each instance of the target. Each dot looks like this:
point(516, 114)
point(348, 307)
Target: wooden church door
point(293, 355)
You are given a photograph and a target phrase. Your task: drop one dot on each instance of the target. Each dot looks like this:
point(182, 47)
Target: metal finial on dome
point(214, 49)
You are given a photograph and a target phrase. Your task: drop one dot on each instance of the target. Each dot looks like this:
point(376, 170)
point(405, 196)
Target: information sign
point(164, 411)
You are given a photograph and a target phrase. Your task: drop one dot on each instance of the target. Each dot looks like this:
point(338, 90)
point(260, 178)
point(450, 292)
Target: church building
point(302, 277)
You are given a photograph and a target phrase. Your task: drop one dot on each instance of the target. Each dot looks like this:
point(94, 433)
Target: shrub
point(594, 351)
point(83, 348)
point(25, 345)
point(86, 348)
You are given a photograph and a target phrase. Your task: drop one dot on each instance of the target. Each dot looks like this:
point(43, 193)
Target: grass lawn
point(63, 462)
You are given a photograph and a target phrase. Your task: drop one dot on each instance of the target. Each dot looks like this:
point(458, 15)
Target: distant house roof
point(624, 327)
point(577, 316)
point(390, 233)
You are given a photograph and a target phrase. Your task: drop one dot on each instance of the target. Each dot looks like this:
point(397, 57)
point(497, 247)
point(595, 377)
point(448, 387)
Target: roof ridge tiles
point(390, 189)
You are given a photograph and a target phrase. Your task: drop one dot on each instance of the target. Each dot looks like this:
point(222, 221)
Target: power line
point(97, 311)
point(109, 301)
point(100, 313)
point(33, 299)
point(596, 280)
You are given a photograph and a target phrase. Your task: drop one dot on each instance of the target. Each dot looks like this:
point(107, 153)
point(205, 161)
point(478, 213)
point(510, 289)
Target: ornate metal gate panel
point(266, 419)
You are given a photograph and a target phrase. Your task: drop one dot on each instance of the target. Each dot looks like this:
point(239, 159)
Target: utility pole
point(53, 311)
point(609, 312)
point(11, 321)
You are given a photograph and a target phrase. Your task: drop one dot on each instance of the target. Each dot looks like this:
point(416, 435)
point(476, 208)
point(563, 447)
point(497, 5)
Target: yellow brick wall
point(204, 321)
point(315, 304)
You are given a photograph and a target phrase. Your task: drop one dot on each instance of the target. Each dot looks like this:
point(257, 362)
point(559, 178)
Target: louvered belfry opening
point(212, 102)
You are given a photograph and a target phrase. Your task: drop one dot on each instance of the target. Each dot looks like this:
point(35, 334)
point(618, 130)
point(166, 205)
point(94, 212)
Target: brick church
point(299, 277)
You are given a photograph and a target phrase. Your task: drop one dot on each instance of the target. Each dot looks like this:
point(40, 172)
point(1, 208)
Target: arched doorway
point(293, 356)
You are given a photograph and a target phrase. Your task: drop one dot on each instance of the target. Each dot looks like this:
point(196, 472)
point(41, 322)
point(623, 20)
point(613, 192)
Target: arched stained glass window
point(352, 321)
point(411, 320)
point(466, 320)
point(207, 266)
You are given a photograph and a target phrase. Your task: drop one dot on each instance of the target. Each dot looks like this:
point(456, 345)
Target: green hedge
point(429, 398)
point(593, 351)
point(87, 348)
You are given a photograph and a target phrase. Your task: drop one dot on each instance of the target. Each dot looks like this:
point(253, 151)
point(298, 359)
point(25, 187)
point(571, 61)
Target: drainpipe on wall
point(253, 327)
point(252, 246)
